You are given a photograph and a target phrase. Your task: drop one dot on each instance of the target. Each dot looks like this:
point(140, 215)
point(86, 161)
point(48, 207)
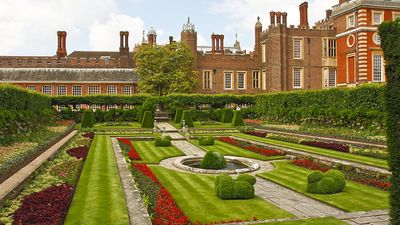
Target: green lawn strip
point(222, 125)
point(315, 221)
point(99, 197)
point(195, 195)
point(131, 125)
point(153, 154)
point(231, 150)
point(355, 197)
point(320, 151)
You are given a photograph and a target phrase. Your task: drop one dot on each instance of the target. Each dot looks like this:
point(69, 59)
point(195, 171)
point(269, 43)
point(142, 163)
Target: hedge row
point(15, 98)
point(101, 100)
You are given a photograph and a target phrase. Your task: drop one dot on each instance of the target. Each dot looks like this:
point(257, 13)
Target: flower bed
point(309, 164)
point(257, 133)
point(78, 152)
point(332, 146)
point(251, 147)
point(129, 148)
point(162, 206)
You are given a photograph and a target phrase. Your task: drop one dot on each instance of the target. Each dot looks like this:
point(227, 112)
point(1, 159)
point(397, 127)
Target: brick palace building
point(342, 49)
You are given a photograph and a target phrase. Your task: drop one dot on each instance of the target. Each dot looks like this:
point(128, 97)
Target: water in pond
point(229, 165)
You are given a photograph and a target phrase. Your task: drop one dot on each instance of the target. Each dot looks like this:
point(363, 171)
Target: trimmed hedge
point(164, 142)
point(178, 116)
point(241, 188)
point(237, 119)
point(148, 120)
point(101, 99)
point(16, 98)
point(187, 116)
point(248, 178)
point(330, 182)
point(213, 160)
point(88, 119)
point(227, 115)
point(206, 141)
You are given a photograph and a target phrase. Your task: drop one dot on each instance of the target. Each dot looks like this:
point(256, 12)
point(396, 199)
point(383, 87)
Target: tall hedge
point(16, 98)
point(101, 99)
point(148, 120)
point(187, 116)
point(390, 40)
point(237, 119)
point(178, 116)
point(227, 115)
point(88, 119)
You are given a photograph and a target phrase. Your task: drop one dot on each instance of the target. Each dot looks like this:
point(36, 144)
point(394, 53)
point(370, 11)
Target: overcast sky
point(29, 27)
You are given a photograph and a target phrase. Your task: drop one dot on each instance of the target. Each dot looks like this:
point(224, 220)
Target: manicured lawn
point(320, 151)
point(355, 197)
point(195, 195)
point(153, 154)
point(104, 126)
point(317, 221)
point(231, 150)
point(99, 197)
point(219, 125)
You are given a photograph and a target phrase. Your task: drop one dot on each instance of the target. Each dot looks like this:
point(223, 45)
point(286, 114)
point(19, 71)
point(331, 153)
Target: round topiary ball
point(221, 179)
point(248, 178)
point(340, 180)
point(327, 186)
point(226, 189)
point(330, 182)
point(243, 190)
point(314, 177)
point(213, 160)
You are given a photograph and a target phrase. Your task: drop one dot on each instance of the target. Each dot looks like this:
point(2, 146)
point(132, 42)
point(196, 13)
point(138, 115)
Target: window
point(62, 90)
point(325, 47)
point(264, 79)
point(112, 89)
point(329, 77)
point(332, 48)
point(127, 90)
point(241, 80)
point(46, 89)
point(76, 90)
point(206, 79)
point(111, 107)
point(298, 78)
point(297, 48)
point(351, 21)
point(228, 81)
point(256, 79)
point(263, 56)
point(376, 38)
point(94, 107)
point(31, 87)
point(377, 18)
point(377, 68)
point(94, 90)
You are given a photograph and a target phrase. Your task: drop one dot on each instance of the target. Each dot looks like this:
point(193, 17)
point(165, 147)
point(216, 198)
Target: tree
point(165, 69)
point(390, 42)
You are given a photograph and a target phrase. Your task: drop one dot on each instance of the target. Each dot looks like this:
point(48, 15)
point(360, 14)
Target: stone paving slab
point(188, 148)
point(138, 214)
point(165, 125)
point(15, 180)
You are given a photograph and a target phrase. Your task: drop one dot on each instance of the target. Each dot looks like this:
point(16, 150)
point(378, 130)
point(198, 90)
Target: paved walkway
point(168, 127)
point(15, 180)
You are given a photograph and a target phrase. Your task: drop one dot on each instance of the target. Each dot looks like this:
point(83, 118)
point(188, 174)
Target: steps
point(161, 116)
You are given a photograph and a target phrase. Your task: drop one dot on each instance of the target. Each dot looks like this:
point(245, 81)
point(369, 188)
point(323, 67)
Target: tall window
point(46, 89)
point(377, 68)
point(127, 90)
point(351, 21)
point(94, 90)
point(31, 87)
point(241, 80)
point(332, 48)
point(329, 77)
point(256, 79)
point(263, 56)
point(264, 79)
point(111, 107)
point(94, 107)
point(297, 48)
point(228, 80)
point(377, 18)
point(76, 90)
point(112, 89)
point(62, 90)
point(206, 79)
point(298, 78)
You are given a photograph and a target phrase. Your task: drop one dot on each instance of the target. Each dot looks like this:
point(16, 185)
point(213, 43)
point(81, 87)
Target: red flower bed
point(376, 183)
point(132, 154)
point(310, 165)
point(167, 211)
point(45, 207)
point(332, 146)
point(257, 133)
point(251, 147)
point(125, 141)
point(146, 171)
point(80, 152)
point(89, 135)
point(256, 122)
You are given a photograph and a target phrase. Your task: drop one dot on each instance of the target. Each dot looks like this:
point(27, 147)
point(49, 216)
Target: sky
point(29, 27)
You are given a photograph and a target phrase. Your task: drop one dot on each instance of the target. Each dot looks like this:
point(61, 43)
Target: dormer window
point(351, 21)
point(106, 59)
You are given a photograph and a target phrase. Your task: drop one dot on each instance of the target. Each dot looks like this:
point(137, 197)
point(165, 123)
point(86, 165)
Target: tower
point(189, 37)
point(258, 30)
point(152, 36)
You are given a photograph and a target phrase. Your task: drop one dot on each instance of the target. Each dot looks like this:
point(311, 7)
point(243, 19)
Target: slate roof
point(67, 75)
point(95, 54)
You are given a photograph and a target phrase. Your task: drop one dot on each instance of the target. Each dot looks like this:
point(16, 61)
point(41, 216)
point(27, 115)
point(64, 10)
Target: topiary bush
point(88, 119)
point(243, 190)
point(187, 116)
point(240, 188)
point(178, 116)
point(330, 182)
point(247, 178)
point(226, 188)
point(227, 115)
point(206, 141)
point(148, 120)
point(213, 160)
point(160, 141)
point(237, 119)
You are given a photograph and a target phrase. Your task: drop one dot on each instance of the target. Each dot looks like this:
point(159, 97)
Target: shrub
point(221, 179)
point(213, 160)
point(206, 141)
point(99, 115)
point(88, 119)
point(178, 116)
point(159, 141)
point(227, 115)
point(243, 190)
point(148, 120)
point(225, 188)
point(314, 177)
point(332, 146)
point(330, 182)
point(237, 119)
point(248, 178)
point(187, 116)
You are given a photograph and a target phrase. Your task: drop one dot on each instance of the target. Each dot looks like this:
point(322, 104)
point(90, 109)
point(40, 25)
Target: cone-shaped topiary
point(237, 119)
point(148, 120)
point(178, 116)
point(227, 115)
point(88, 119)
point(187, 116)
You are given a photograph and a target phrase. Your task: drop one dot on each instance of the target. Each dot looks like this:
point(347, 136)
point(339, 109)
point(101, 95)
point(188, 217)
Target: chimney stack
point(61, 48)
point(123, 42)
point(328, 13)
point(304, 15)
point(272, 15)
point(342, 1)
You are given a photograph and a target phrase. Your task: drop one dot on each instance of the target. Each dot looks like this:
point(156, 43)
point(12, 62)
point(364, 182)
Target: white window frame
point(47, 92)
point(244, 73)
point(207, 82)
point(300, 40)
point(31, 87)
point(94, 107)
point(111, 107)
point(264, 80)
point(348, 25)
point(94, 90)
point(380, 17)
point(300, 86)
point(382, 70)
point(263, 52)
point(256, 79)
point(327, 78)
point(332, 48)
point(231, 79)
point(114, 92)
point(126, 90)
point(325, 48)
point(62, 90)
point(77, 90)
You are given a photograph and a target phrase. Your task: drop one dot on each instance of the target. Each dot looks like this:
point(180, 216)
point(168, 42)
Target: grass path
point(99, 197)
point(320, 151)
point(231, 150)
point(195, 195)
point(153, 154)
point(355, 197)
point(316, 221)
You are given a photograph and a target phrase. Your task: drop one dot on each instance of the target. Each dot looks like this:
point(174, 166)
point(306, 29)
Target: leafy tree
point(390, 35)
point(165, 69)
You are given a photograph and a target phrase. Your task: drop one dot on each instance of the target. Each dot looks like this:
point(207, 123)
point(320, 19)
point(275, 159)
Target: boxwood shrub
point(88, 119)
point(163, 141)
point(187, 116)
point(240, 188)
point(227, 115)
point(247, 178)
point(148, 120)
point(330, 182)
point(178, 116)
point(237, 119)
point(206, 141)
point(213, 160)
